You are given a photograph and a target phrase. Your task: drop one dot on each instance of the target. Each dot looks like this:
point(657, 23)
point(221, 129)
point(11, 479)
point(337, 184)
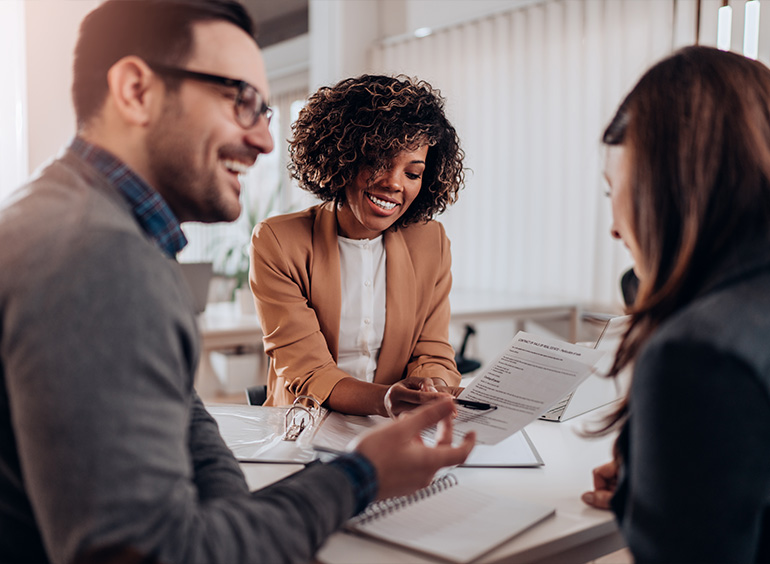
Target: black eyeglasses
point(249, 103)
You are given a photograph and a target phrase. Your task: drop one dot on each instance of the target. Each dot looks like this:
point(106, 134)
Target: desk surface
point(223, 327)
point(224, 320)
point(577, 533)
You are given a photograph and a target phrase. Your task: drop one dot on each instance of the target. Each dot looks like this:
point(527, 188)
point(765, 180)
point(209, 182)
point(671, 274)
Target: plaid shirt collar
point(149, 208)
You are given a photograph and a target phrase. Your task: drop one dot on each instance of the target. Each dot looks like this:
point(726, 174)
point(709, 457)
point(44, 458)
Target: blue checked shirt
point(150, 209)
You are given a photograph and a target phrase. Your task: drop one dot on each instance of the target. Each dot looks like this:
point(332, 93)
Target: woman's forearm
point(358, 398)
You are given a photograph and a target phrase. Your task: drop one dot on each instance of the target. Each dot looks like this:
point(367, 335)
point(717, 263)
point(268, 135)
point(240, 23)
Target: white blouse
point(362, 316)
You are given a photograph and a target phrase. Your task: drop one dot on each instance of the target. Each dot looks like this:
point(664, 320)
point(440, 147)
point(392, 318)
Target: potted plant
point(241, 367)
point(231, 249)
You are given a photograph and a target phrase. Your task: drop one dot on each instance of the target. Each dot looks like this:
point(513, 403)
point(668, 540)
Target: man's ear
point(134, 90)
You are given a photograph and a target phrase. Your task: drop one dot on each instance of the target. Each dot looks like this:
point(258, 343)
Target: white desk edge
point(577, 533)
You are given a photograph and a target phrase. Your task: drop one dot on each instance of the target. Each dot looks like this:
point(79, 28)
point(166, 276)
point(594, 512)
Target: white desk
point(480, 305)
point(577, 533)
point(224, 326)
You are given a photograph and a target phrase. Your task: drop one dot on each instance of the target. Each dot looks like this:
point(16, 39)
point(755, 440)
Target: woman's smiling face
point(374, 204)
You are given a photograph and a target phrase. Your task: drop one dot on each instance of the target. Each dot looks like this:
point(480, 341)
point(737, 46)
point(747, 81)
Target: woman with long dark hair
point(688, 164)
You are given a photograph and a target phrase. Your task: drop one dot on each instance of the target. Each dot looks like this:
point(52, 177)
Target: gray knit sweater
point(103, 442)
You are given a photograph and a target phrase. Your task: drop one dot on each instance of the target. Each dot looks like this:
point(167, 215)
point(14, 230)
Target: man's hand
point(605, 483)
point(412, 392)
point(403, 462)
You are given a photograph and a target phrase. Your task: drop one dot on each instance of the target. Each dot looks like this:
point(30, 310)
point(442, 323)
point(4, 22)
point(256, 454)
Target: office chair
point(465, 365)
point(629, 285)
point(256, 395)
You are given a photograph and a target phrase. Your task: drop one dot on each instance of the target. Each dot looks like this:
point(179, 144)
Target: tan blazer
point(295, 278)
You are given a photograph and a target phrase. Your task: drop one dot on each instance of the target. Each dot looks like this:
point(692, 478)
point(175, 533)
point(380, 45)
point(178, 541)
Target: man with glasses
point(106, 452)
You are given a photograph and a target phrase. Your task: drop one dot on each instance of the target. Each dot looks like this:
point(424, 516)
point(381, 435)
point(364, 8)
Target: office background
point(529, 86)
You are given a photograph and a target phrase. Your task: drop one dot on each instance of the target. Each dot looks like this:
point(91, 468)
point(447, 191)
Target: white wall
point(436, 14)
point(529, 91)
point(287, 65)
point(13, 111)
point(341, 34)
point(51, 28)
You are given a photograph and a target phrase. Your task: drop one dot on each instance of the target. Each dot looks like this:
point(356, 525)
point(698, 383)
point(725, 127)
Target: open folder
point(257, 434)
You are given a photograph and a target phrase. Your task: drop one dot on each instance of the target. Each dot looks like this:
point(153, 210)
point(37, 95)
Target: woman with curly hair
point(353, 294)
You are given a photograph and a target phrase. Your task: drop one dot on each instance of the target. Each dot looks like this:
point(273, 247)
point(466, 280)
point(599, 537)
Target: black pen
point(474, 404)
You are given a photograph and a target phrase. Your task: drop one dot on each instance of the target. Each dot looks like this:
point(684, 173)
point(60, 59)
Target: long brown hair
point(697, 129)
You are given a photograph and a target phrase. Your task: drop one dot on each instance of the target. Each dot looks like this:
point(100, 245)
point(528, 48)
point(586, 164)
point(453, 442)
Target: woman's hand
point(412, 392)
point(605, 483)
point(437, 385)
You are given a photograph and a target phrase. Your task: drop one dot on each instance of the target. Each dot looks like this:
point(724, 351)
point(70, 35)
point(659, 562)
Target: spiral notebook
point(448, 520)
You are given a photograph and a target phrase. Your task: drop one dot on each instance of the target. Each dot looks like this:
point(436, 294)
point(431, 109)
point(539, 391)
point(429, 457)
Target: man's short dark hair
point(157, 30)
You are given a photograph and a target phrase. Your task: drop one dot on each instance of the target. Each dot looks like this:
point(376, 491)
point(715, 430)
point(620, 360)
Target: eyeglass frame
point(241, 85)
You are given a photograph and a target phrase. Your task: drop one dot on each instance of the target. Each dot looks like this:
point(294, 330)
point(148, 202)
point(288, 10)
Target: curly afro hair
point(364, 122)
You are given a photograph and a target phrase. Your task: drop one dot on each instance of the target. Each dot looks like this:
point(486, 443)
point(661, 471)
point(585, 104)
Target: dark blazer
point(695, 474)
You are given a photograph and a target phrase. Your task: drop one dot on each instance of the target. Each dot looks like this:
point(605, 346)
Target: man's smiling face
point(196, 147)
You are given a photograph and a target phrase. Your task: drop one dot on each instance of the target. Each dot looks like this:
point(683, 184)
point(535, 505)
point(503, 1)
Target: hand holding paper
point(523, 383)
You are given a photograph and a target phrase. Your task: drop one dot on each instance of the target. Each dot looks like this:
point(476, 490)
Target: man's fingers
point(444, 432)
point(427, 415)
point(452, 456)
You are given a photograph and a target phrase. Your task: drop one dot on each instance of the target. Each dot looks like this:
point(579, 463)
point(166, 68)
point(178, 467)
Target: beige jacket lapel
point(400, 308)
point(325, 281)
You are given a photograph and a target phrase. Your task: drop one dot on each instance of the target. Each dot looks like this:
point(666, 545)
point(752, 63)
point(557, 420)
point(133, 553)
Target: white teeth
point(235, 166)
point(382, 203)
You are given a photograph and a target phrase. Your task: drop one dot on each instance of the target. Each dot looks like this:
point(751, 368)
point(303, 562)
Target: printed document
point(523, 383)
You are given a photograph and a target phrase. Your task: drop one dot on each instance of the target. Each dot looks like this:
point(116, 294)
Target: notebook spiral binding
point(384, 507)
